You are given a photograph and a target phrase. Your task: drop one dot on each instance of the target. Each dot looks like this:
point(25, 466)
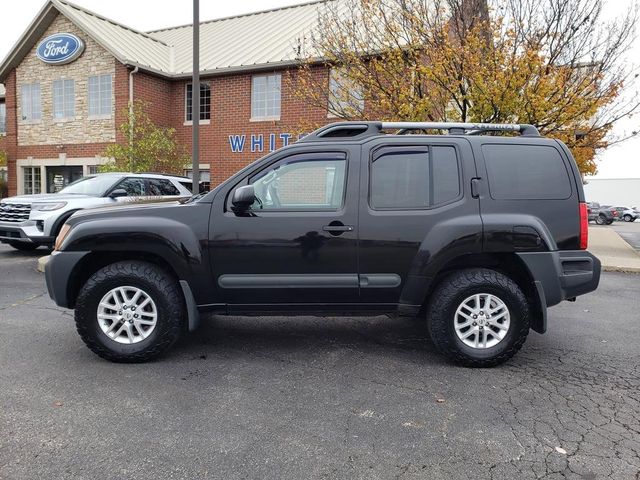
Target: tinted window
point(414, 177)
point(526, 172)
point(133, 186)
point(446, 176)
point(161, 187)
point(301, 182)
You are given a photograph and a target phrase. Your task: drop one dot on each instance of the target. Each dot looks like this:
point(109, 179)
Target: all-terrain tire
point(24, 246)
point(457, 287)
point(601, 220)
point(160, 286)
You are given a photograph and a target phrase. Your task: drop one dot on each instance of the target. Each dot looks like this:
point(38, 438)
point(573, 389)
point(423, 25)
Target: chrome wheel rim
point(127, 314)
point(482, 321)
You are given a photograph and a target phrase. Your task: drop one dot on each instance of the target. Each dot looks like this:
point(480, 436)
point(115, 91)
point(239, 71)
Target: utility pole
point(195, 99)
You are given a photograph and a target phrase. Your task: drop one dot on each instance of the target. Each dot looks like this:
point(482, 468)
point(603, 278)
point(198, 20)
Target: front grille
point(14, 212)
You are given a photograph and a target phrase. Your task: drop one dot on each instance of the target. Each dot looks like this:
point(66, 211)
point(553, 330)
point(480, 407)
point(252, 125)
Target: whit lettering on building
point(258, 142)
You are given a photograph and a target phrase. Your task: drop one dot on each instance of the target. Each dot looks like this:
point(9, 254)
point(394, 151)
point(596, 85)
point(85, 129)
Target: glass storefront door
point(60, 177)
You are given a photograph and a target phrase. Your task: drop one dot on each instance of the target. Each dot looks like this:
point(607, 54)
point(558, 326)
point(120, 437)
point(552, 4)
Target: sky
point(619, 161)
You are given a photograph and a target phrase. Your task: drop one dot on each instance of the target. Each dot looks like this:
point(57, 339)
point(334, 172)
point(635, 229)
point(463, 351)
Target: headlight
point(64, 231)
point(47, 207)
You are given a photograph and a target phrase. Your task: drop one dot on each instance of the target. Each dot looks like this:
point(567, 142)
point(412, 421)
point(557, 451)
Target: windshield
point(93, 185)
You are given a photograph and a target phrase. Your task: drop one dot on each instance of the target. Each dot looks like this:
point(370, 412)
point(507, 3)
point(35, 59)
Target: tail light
point(584, 226)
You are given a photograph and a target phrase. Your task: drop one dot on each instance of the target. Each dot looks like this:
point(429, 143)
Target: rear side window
point(535, 172)
point(414, 177)
point(161, 187)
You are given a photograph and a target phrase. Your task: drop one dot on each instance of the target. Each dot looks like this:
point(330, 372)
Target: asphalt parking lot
point(629, 231)
point(318, 398)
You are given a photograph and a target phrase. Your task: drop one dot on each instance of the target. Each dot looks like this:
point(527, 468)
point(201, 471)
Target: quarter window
point(535, 172)
point(205, 102)
point(265, 97)
point(32, 180)
point(3, 118)
point(100, 93)
point(303, 182)
point(414, 177)
point(63, 99)
point(31, 107)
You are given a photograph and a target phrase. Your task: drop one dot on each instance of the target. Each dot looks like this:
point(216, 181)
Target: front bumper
point(27, 231)
point(564, 274)
point(58, 275)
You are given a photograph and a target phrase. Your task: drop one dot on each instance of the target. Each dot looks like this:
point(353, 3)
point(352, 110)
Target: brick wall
point(230, 115)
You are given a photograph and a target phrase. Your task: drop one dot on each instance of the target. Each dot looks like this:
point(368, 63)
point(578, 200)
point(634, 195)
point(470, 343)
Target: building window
point(265, 97)
point(100, 93)
point(31, 107)
point(64, 99)
point(32, 180)
point(93, 169)
point(205, 180)
point(205, 102)
point(345, 96)
point(3, 118)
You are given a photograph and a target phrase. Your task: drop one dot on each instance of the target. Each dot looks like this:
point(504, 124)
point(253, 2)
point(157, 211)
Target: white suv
point(28, 221)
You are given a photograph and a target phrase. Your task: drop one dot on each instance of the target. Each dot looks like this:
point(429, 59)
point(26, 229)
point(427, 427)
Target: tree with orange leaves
point(552, 63)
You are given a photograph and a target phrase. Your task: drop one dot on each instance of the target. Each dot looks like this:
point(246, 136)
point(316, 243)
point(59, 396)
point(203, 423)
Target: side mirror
point(117, 193)
point(243, 197)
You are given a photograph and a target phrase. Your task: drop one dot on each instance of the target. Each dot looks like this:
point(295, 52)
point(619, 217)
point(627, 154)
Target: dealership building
point(67, 83)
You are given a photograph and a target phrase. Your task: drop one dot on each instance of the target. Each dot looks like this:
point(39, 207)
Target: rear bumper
point(58, 274)
point(562, 275)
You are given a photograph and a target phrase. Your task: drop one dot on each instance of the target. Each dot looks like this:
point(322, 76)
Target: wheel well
point(507, 263)
point(96, 260)
point(60, 221)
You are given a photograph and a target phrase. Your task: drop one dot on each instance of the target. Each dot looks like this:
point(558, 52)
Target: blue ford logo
point(60, 48)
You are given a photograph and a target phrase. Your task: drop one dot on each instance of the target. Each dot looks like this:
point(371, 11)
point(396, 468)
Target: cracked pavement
point(318, 397)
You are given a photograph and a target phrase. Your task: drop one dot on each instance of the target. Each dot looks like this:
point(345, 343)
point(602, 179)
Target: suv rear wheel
point(628, 218)
point(129, 312)
point(478, 317)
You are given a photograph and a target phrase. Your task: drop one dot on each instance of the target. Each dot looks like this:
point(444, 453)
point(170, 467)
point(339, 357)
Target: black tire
point(609, 222)
point(628, 218)
point(24, 246)
point(457, 287)
point(164, 291)
point(600, 220)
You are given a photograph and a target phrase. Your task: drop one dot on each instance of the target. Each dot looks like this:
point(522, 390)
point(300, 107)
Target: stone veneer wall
point(95, 60)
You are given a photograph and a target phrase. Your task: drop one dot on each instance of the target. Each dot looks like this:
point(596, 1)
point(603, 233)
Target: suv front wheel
point(478, 317)
point(129, 312)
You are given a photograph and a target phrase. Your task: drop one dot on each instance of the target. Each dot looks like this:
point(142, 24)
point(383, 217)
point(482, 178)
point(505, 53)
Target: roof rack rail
point(457, 128)
point(358, 130)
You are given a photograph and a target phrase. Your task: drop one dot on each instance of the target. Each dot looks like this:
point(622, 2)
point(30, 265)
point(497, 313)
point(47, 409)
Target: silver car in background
point(29, 221)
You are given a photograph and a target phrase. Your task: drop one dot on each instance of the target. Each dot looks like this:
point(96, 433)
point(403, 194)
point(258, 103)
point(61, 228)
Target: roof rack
point(357, 130)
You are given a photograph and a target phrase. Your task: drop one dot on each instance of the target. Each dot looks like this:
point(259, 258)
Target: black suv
point(479, 233)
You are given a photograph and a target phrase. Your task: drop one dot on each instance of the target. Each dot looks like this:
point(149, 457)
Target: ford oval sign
point(60, 48)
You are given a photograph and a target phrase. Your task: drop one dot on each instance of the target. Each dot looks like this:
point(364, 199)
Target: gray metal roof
point(246, 42)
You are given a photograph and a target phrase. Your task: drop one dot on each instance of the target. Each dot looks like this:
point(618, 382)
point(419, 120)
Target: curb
point(42, 261)
point(614, 268)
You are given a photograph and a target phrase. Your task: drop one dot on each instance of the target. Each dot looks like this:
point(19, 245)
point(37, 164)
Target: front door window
point(301, 184)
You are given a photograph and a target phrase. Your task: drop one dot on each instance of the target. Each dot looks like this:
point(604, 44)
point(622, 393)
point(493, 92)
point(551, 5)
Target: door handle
point(337, 228)
point(475, 187)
